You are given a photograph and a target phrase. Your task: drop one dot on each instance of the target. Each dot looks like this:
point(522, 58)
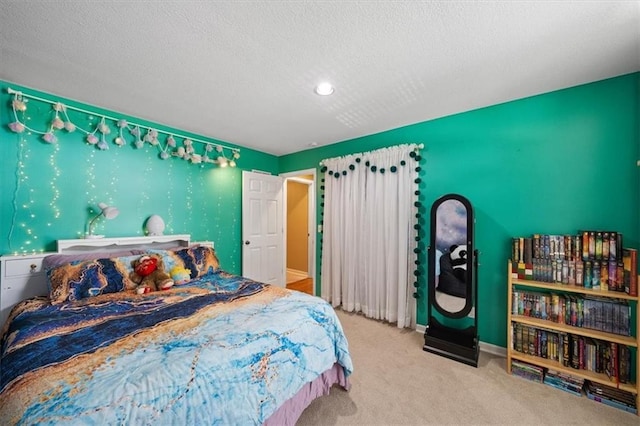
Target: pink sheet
point(290, 411)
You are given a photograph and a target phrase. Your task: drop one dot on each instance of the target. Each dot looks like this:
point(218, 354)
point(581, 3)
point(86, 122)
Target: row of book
point(619, 276)
point(596, 313)
point(563, 381)
point(608, 395)
point(585, 245)
point(588, 274)
point(578, 352)
point(611, 396)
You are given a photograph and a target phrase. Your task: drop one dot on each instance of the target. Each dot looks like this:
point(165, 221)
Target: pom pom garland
point(95, 135)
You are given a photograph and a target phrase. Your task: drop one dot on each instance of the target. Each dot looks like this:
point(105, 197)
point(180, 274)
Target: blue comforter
point(222, 349)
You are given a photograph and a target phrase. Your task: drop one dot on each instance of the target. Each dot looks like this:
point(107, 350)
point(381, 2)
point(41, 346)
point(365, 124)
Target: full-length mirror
point(453, 275)
point(451, 255)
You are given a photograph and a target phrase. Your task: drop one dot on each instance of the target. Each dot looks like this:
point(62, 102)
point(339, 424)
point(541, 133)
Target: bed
point(218, 349)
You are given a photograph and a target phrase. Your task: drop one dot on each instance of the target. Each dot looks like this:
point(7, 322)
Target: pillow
point(198, 260)
point(204, 259)
point(81, 279)
point(54, 260)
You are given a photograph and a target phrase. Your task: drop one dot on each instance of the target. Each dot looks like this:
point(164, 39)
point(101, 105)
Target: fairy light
point(53, 204)
point(204, 208)
point(188, 204)
point(22, 181)
point(91, 184)
point(107, 190)
point(53, 121)
point(234, 221)
point(169, 223)
point(114, 169)
point(143, 187)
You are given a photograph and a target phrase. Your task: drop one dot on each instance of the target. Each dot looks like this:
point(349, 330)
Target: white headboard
point(22, 277)
point(88, 245)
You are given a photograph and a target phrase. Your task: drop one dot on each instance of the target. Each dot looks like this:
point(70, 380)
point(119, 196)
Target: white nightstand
point(22, 277)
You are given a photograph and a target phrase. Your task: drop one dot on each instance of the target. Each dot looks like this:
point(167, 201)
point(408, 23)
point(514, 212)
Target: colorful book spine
point(630, 265)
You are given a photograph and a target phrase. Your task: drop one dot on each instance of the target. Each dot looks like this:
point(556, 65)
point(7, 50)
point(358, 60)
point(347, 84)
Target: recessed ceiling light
point(324, 89)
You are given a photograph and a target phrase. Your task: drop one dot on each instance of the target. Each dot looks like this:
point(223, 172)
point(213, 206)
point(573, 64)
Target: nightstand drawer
point(20, 267)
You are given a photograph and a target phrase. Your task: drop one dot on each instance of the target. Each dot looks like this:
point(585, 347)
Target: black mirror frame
point(469, 299)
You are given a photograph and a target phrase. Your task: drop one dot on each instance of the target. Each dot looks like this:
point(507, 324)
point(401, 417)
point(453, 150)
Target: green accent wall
point(553, 164)
point(51, 191)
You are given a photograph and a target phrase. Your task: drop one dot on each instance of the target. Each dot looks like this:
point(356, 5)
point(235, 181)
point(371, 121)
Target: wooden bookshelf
point(538, 323)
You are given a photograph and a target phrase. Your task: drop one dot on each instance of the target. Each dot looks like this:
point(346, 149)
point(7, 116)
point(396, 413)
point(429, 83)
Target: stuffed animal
point(148, 272)
point(458, 255)
point(180, 275)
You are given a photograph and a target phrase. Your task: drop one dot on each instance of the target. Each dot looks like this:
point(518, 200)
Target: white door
point(262, 228)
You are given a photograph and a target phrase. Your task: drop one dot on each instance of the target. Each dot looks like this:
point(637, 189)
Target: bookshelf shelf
point(580, 331)
point(569, 288)
point(632, 342)
point(585, 374)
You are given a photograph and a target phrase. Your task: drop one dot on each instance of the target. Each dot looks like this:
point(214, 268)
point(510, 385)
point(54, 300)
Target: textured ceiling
point(243, 72)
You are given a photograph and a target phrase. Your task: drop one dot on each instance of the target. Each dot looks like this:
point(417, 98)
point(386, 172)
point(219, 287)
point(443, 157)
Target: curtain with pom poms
point(369, 233)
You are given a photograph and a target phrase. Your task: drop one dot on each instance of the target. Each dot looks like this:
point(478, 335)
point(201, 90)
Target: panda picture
point(458, 255)
point(452, 274)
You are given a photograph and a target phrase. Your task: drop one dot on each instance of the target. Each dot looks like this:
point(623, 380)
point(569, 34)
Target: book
point(563, 387)
point(630, 265)
point(611, 393)
point(611, 402)
point(624, 364)
point(527, 371)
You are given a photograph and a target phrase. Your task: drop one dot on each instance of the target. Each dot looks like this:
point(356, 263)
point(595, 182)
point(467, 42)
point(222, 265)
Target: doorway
point(299, 228)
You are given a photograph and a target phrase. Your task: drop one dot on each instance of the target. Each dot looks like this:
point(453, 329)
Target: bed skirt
point(290, 411)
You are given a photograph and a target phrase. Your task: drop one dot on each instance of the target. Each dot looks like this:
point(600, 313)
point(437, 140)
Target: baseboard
point(298, 274)
point(484, 346)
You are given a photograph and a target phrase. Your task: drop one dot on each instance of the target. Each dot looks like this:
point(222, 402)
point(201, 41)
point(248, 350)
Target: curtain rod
point(415, 148)
point(37, 98)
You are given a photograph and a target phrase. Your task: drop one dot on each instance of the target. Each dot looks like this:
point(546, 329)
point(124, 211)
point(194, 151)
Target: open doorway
point(299, 227)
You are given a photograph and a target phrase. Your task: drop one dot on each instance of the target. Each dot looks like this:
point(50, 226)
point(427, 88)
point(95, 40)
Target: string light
point(39, 206)
point(22, 180)
point(188, 204)
point(144, 186)
point(169, 223)
point(204, 207)
point(112, 191)
point(53, 204)
point(97, 134)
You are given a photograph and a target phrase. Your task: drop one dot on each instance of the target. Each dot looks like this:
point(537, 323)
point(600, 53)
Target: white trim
point(295, 176)
point(302, 274)
point(203, 243)
point(300, 180)
point(484, 346)
point(84, 245)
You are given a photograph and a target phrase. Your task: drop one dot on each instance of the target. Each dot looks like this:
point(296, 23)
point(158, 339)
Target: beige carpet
point(396, 383)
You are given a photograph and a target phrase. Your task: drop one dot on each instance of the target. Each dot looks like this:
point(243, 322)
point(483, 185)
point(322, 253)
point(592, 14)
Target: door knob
point(246, 243)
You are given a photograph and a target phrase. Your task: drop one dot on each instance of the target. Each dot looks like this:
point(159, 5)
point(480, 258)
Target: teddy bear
point(148, 272)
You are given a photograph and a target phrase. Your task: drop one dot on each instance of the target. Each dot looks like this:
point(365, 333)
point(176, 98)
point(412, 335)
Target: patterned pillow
point(59, 259)
point(198, 260)
point(204, 259)
point(81, 279)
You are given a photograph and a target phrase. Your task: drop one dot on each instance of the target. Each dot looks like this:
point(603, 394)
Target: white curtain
point(368, 258)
